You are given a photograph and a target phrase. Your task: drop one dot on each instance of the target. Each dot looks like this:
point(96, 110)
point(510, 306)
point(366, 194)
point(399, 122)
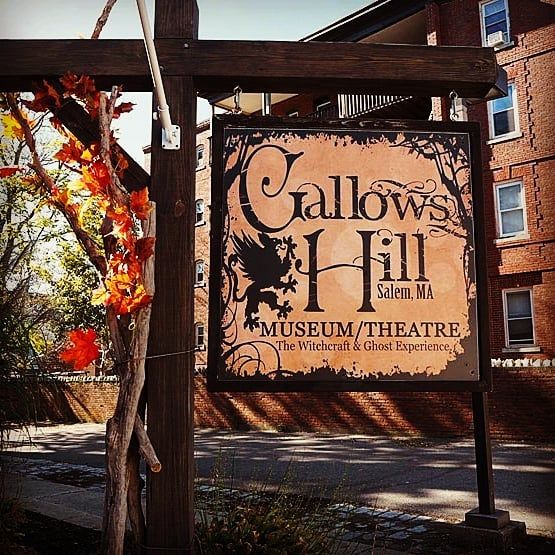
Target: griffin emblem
point(266, 264)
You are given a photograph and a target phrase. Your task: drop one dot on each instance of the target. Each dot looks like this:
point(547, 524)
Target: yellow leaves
point(100, 296)
point(123, 288)
point(96, 177)
point(12, 129)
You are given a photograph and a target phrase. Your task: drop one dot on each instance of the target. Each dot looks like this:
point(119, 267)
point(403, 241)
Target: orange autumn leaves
point(122, 287)
point(82, 350)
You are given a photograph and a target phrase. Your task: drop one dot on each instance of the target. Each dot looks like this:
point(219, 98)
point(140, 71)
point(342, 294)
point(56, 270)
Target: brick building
point(518, 149)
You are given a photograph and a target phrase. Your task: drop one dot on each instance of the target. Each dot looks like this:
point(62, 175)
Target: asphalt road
point(434, 478)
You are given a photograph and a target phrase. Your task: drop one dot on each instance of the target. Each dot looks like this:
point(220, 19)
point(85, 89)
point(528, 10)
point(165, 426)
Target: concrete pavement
point(427, 477)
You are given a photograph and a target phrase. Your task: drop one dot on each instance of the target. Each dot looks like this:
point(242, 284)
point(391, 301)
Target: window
point(199, 272)
point(200, 157)
point(495, 23)
point(511, 215)
point(199, 337)
point(199, 211)
point(519, 321)
point(503, 117)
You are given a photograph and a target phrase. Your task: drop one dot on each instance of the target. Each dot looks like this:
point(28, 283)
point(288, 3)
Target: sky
point(218, 19)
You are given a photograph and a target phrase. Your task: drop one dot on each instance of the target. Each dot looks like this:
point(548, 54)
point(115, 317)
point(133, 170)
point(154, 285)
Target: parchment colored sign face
point(346, 256)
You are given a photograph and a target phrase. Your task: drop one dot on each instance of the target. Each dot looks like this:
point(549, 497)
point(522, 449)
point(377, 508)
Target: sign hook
point(453, 113)
point(237, 100)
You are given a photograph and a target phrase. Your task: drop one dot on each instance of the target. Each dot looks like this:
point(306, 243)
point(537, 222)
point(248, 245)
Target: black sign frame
point(215, 361)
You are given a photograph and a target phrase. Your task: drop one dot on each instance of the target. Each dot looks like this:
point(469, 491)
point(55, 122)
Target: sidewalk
point(404, 489)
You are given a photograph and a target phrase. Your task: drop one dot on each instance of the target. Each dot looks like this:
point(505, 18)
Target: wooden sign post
point(191, 66)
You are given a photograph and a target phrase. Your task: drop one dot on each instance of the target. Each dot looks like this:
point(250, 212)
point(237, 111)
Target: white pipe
point(163, 108)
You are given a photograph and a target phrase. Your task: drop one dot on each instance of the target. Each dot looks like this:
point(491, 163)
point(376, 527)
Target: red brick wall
point(57, 401)
point(521, 407)
point(202, 236)
point(530, 65)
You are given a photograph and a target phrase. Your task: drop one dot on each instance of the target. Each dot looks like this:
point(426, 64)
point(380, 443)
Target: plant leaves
point(83, 349)
point(140, 205)
point(8, 171)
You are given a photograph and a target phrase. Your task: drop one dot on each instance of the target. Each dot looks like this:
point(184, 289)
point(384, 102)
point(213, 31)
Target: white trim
point(506, 321)
point(520, 234)
point(507, 137)
point(201, 282)
point(203, 220)
point(202, 164)
point(511, 134)
point(483, 26)
point(200, 346)
point(521, 350)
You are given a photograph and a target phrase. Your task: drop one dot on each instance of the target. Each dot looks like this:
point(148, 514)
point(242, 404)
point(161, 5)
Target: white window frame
point(518, 346)
point(483, 23)
point(520, 234)
point(293, 114)
point(202, 221)
point(511, 134)
point(200, 283)
point(200, 162)
point(200, 346)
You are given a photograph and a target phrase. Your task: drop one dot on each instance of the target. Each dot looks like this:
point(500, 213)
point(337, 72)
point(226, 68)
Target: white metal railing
point(353, 105)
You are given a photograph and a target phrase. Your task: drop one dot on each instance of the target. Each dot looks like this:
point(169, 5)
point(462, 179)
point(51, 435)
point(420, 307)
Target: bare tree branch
point(103, 18)
point(145, 446)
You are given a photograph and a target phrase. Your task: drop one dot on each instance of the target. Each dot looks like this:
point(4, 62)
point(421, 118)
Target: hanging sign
point(344, 256)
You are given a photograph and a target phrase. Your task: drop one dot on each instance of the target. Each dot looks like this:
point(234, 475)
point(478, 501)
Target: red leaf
point(72, 151)
point(122, 108)
point(139, 203)
point(83, 349)
point(8, 171)
point(144, 248)
point(46, 98)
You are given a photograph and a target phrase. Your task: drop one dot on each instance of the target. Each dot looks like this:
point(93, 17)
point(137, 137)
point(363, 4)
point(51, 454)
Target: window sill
point(505, 46)
point(503, 138)
point(198, 224)
point(200, 284)
point(523, 349)
point(511, 239)
point(200, 348)
point(198, 168)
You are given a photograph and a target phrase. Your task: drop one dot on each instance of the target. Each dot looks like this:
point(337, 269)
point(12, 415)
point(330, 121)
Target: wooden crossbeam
point(341, 67)
point(110, 62)
point(218, 66)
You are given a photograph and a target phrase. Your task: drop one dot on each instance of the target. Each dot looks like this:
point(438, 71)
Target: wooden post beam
point(261, 66)
point(170, 376)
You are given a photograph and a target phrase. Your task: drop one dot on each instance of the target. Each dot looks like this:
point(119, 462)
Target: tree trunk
point(121, 461)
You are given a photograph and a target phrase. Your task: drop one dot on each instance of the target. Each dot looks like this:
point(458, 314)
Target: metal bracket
point(173, 142)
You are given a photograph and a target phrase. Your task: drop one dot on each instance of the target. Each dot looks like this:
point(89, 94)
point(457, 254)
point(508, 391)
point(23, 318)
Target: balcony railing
point(327, 112)
point(354, 105)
